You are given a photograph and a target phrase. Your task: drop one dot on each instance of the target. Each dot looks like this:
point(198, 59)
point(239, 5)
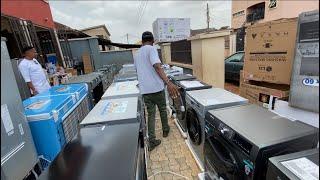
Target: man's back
point(149, 80)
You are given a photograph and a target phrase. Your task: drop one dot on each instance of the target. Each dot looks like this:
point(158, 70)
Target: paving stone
point(171, 155)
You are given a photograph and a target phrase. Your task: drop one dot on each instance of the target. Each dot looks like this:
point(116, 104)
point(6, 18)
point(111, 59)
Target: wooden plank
point(87, 63)
point(196, 53)
point(213, 61)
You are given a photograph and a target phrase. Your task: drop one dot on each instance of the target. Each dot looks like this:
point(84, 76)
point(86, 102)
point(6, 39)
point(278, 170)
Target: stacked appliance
point(240, 139)
point(105, 79)
point(18, 154)
point(198, 103)
point(127, 73)
point(79, 92)
point(295, 166)
point(95, 87)
point(122, 89)
point(186, 83)
point(304, 88)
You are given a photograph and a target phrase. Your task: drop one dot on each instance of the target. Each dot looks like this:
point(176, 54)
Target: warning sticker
point(114, 107)
point(191, 84)
point(303, 168)
point(6, 119)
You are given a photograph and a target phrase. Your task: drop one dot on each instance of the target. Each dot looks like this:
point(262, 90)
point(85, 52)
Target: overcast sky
point(122, 17)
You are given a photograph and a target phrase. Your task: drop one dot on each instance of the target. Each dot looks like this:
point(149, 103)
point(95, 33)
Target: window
point(238, 57)
point(255, 12)
point(240, 13)
point(272, 4)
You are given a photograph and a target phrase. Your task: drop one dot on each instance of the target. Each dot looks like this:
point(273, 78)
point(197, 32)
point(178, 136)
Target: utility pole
point(208, 17)
point(127, 38)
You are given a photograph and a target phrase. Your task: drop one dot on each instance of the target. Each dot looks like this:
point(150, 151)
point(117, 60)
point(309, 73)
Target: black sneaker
point(165, 133)
point(153, 144)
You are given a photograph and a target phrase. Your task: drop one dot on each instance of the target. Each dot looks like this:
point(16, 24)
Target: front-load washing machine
point(178, 105)
point(198, 102)
point(239, 140)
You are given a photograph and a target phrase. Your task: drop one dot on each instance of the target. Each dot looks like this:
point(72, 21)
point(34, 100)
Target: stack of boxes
point(269, 55)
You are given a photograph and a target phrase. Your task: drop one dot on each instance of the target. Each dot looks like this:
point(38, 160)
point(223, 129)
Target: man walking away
point(152, 79)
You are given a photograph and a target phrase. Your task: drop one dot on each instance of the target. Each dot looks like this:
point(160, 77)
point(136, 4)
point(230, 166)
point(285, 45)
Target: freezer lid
point(98, 153)
point(79, 90)
point(181, 77)
point(113, 111)
point(43, 108)
point(86, 78)
point(260, 126)
point(215, 98)
point(122, 88)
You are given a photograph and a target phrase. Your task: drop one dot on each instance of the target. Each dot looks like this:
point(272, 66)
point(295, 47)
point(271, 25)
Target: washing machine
point(240, 140)
point(295, 166)
point(178, 105)
point(198, 102)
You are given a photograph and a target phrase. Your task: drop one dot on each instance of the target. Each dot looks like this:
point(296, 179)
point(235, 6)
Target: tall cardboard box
point(262, 93)
point(269, 51)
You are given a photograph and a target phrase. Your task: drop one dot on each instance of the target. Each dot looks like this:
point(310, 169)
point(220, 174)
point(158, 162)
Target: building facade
point(100, 31)
point(247, 12)
point(30, 23)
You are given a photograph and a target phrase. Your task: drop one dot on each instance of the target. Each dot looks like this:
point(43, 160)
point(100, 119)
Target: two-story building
point(247, 12)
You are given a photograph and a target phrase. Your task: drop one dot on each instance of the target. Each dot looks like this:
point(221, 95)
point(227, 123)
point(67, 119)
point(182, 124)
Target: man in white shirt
point(32, 72)
point(152, 79)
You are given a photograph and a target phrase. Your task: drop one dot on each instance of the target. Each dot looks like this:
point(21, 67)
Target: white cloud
point(121, 17)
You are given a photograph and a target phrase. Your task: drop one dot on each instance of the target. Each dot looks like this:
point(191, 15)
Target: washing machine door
point(194, 126)
point(220, 158)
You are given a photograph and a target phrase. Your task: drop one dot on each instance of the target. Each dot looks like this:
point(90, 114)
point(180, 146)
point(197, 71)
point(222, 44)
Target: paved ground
point(171, 155)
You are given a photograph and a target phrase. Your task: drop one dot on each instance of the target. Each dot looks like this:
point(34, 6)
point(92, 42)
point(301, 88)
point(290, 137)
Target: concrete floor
point(173, 154)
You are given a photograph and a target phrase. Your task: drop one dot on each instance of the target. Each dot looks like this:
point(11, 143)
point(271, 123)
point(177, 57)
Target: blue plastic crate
point(45, 116)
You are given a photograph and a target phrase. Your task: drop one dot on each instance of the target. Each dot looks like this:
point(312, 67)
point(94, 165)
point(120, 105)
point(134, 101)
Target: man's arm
point(24, 70)
point(173, 90)
point(30, 85)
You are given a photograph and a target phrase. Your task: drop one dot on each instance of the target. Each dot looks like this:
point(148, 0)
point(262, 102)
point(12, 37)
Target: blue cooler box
point(46, 116)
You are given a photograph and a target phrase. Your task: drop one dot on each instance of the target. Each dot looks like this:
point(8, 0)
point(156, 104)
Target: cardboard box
point(72, 71)
point(269, 51)
point(263, 94)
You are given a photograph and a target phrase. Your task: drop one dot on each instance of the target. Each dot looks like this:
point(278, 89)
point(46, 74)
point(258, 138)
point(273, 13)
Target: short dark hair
point(147, 36)
point(27, 48)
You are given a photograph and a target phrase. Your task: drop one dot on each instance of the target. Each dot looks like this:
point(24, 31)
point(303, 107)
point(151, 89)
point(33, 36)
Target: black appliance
point(295, 166)
point(100, 153)
point(240, 139)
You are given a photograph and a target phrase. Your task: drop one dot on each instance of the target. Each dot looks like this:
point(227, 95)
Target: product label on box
point(114, 107)
point(6, 119)
point(303, 168)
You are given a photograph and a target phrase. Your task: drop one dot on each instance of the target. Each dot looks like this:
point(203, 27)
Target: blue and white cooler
point(54, 121)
